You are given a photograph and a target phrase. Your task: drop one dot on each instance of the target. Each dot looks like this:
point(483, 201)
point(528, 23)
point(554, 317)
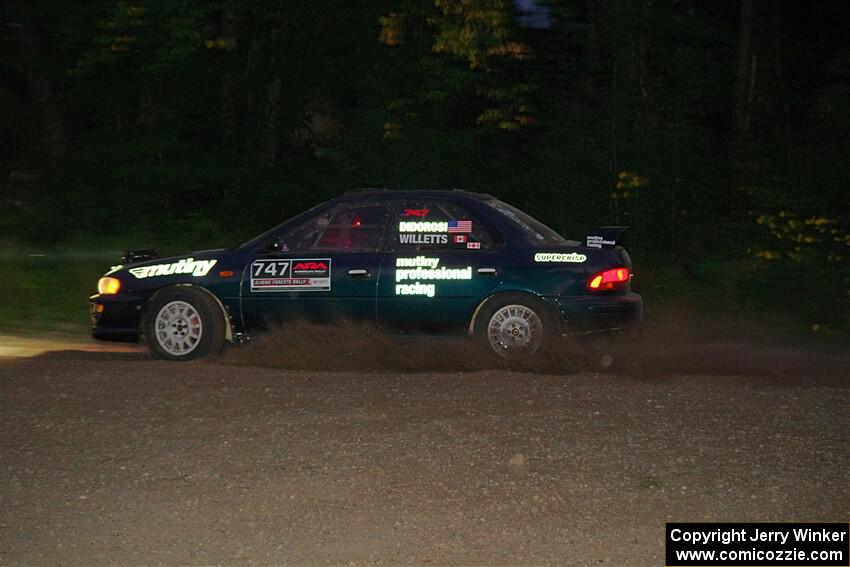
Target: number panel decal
point(308, 274)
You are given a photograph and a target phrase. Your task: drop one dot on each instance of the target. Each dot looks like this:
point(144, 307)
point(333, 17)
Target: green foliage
point(474, 30)
point(200, 123)
point(46, 290)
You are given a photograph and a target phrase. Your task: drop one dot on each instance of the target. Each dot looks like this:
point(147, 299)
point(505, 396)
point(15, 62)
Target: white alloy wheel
point(515, 331)
point(178, 328)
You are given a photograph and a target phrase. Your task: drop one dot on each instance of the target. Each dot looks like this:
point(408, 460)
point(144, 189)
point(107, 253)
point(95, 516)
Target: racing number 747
point(273, 268)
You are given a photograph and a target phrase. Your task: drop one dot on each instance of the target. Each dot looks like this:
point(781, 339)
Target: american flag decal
point(460, 226)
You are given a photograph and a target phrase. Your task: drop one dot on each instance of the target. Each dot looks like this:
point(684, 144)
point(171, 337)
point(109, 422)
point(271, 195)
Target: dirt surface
point(14, 346)
point(400, 455)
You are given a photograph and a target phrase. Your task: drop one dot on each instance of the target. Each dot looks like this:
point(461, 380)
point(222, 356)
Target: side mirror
point(276, 245)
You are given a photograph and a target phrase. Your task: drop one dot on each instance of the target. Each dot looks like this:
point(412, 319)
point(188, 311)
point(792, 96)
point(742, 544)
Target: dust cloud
point(674, 341)
point(348, 346)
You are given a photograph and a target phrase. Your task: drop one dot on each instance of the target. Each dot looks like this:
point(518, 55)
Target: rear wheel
point(515, 327)
point(184, 324)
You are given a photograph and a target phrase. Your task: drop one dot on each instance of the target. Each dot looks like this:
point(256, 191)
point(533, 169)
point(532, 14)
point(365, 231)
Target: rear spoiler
point(606, 236)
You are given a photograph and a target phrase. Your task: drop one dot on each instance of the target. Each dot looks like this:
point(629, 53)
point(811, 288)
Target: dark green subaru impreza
point(446, 262)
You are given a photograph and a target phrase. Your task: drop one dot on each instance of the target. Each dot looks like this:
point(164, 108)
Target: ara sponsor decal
point(407, 238)
point(425, 268)
point(572, 257)
point(423, 226)
point(309, 274)
point(189, 266)
point(310, 266)
point(415, 212)
point(598, 242)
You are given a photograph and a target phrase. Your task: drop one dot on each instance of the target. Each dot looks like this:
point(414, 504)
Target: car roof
point(477, 202)
point(413, 194)
point(377, 195)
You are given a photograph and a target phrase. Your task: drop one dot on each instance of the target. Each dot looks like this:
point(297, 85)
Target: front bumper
point(116, 317)
point(592, 313)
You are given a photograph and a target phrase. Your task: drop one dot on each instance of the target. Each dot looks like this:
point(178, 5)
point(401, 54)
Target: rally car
point(447, 262)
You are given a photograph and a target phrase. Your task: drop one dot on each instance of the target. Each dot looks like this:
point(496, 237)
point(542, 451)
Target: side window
point(345, 228)
point(438, 225)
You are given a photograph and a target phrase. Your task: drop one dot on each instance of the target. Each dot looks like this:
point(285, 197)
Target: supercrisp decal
point(572, 258)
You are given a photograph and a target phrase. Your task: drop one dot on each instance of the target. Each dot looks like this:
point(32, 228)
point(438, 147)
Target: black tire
point(516, 327)
point(183, 323)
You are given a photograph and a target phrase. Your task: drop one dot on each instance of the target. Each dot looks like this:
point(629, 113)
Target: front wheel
point(515, 327)
point(184, 324)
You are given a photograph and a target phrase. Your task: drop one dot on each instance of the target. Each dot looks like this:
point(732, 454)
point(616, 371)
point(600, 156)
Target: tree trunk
point(38, 83)
point(591, 57)
point(270, 121)
point(744, 70)
point(645, 118)
point(226, 102)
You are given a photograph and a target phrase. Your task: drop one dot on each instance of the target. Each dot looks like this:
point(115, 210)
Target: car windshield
point(265, 236)
point(538, 231)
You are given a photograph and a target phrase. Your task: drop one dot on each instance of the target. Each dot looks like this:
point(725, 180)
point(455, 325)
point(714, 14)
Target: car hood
point(192, 265)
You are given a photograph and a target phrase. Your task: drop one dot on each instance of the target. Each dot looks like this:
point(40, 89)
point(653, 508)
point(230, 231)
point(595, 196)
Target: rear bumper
point(592, 313)
point(116, 317)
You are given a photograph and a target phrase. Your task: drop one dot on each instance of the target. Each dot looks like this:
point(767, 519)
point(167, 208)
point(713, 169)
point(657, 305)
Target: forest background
point(716, 129)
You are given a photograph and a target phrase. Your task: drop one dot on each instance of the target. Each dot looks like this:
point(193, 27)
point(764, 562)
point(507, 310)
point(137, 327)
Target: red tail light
point(616, 278)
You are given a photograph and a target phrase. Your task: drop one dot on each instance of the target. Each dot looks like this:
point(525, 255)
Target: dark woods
point(717, 129)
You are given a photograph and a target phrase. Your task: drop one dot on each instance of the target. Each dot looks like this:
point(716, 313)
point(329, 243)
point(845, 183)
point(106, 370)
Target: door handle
point(358, 273)
point(487, 271)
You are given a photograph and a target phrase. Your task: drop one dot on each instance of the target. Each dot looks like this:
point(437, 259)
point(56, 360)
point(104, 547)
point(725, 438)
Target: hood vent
point(133, 256)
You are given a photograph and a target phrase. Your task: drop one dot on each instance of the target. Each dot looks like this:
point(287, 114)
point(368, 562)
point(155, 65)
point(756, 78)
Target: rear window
point(535, 229)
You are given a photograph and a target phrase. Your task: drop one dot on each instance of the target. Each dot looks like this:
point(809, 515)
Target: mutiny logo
point(196, 268)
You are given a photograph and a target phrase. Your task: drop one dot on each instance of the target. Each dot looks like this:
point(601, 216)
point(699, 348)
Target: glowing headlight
point(108, 286)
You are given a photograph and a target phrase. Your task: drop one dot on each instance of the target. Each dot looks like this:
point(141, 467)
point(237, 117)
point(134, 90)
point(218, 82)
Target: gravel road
point(114, 458)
